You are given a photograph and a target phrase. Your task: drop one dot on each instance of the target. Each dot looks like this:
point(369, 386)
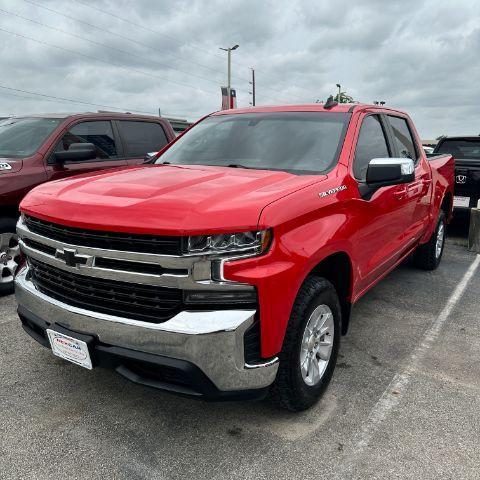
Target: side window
point(141, 138)
point(98, 133)
point(371, 144)
point(403, 137)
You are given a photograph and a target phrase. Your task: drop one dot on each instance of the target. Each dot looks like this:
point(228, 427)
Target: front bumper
point(207, 345)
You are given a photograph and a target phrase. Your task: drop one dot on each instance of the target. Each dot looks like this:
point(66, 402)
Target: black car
point(466, 152)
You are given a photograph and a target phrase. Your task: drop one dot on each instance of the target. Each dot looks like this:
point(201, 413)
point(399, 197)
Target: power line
point(103, 30)
point(118, 17)
point(79, 102)
point(100, 59)
point(118, 35)
point(106, 46)
point(156, 32)
point(106, 61)
point(111, 48)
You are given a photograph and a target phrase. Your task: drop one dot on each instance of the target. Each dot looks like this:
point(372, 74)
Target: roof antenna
point(330, 103)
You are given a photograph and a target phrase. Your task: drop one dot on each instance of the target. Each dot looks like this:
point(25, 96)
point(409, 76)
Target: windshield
point(21, 137)
point(461, 148)
point(298, 142)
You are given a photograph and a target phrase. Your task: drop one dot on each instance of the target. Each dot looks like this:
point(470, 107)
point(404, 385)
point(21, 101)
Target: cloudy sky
point(422, 56)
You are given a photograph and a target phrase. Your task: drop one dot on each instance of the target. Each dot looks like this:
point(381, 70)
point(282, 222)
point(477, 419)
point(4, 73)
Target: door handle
point(400, 193)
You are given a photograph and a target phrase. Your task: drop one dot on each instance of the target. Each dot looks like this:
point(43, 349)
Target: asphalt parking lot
point(403, 402)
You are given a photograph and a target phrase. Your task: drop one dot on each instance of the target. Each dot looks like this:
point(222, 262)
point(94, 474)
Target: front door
point(100, 133)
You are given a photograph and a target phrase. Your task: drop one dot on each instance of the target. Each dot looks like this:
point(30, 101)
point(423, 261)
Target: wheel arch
point(447, 205)
point(9, 211)
point(337, 269)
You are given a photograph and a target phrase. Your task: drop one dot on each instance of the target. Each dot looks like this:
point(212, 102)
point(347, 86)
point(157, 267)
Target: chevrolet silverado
point(228, 267)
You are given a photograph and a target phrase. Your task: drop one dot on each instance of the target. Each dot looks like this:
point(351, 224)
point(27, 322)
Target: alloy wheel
point(317, 345)
point(440, 239)
point(9, 257)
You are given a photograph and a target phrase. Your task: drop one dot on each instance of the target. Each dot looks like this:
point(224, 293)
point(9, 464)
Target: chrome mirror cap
point(407, 166)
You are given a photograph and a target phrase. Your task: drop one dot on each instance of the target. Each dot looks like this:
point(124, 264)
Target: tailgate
point(467, 179)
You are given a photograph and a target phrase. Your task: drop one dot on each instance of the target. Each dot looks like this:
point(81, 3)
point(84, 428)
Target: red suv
point(37, 149)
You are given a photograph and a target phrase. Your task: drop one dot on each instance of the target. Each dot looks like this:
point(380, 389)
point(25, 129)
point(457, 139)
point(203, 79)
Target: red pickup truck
point(228, 268)
point(36, 149)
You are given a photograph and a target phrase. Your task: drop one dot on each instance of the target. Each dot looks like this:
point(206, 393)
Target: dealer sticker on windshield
point(69, 348)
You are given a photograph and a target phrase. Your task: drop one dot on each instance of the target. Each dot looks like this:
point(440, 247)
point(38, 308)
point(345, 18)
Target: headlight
point(244, 242)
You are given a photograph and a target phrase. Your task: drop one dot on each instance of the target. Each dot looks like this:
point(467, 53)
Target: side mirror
point(383, 172)
point(76, 153)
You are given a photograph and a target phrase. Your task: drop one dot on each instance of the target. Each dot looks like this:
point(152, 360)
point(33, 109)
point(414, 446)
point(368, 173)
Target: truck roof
point(460, 137)
point(89, 115)
point(309, 107)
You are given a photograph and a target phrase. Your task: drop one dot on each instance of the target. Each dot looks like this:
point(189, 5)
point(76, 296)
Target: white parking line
point(393, 393)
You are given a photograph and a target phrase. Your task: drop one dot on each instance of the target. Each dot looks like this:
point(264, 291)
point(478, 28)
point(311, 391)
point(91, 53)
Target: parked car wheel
point(9, 254)
point(310, 347)
point(429, 255)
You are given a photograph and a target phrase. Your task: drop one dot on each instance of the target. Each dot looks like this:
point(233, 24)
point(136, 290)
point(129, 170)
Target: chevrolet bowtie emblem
point(72, 259)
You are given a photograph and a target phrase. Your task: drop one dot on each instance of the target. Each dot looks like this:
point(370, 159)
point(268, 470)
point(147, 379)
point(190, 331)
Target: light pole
point(339, 92)
point(229, 68)
point(252, 83)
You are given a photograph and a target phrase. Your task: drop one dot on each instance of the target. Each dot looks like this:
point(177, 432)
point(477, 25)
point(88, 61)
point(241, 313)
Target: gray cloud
point(417, 55)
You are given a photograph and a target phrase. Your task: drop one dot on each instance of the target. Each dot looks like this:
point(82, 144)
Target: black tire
point(426, 256)
point(289, 390)
point(7, 225)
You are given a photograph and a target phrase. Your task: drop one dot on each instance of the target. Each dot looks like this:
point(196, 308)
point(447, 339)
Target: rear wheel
point(429, 255)
point(9, 254)
point(310, 348)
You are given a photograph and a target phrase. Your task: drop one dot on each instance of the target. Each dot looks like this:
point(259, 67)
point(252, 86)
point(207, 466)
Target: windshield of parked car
point(461, 148)
point(298, 142)
point(22, 137)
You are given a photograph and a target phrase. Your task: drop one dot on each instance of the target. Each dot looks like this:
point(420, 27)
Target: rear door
point(418, 193)
point(140, 138)
point(107, 146)
point(380, 238)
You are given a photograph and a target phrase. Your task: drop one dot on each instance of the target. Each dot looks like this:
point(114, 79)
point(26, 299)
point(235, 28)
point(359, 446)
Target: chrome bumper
point(211, 340)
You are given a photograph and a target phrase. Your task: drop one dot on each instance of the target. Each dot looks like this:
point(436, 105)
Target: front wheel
point(310, 347)
point(9, 254)
point(429, 255)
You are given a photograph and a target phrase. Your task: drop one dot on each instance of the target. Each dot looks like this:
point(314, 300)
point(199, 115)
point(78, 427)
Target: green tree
point(343, 98)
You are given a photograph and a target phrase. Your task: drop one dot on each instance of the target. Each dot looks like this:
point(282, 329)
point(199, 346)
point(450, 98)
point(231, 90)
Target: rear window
point(403, 137)
point(141, 138)
point(461, 148)
point(298, 142)
point(22, 137)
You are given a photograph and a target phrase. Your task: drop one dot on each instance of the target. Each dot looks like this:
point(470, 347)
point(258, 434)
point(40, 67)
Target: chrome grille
point(161, 245)
point(139, 302)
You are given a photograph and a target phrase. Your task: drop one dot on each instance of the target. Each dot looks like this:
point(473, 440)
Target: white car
point(428, 149)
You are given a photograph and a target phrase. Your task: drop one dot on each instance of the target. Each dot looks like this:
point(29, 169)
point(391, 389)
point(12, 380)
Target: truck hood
point(15, 165)
point(164, 199)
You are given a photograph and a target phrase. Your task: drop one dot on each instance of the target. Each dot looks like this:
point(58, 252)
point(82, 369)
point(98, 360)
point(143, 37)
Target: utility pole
point(339, 92)
point(229, 69)
point(252, 83)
